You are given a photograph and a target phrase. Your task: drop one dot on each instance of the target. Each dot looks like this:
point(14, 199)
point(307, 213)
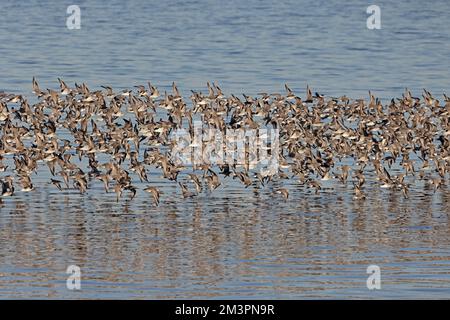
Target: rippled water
point(234, 242)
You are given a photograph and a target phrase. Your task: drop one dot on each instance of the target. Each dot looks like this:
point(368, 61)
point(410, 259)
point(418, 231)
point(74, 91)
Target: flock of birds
point(68, 129)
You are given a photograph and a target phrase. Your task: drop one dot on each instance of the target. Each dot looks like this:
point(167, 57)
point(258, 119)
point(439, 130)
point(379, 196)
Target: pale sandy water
point(235, 242)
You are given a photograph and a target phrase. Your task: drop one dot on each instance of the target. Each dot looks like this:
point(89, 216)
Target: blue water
point(245, 46)
point(233, 243)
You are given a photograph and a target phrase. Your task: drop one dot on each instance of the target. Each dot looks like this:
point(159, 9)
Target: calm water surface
point(235, 242)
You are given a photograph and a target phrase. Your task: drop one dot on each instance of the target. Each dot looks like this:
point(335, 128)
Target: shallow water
point(234, 242)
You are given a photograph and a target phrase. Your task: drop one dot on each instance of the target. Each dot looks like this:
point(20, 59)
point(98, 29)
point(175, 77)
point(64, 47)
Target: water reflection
point(230, 244)
point(234, 243)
